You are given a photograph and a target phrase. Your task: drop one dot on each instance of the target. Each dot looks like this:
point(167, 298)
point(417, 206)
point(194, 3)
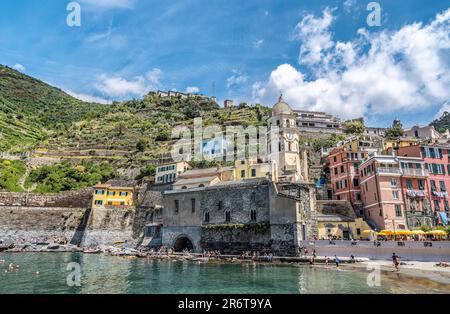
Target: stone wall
point(235, 240)
point(76, 199)
point(22, 225)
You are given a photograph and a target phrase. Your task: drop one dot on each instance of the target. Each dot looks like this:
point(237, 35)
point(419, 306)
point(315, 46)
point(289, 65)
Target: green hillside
point(443, 123)
point(31, 109)
point(35, 115)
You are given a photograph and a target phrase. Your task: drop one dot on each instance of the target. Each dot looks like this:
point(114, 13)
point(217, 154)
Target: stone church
point(271, 214)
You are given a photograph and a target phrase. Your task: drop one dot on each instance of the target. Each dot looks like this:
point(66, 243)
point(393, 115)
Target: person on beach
point(326, 260)
point(337, 261)
point(395, 260)
point(352, 259)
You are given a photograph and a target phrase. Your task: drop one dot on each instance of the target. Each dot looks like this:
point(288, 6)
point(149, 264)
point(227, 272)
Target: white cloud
point(108, 4)
point(192, 90)
point(19, 67)
point(258, 43)
point(315, 37)
point(116, 86)
point(236, 79)
point(88, 98)
point(383, 72)
point(348, 5)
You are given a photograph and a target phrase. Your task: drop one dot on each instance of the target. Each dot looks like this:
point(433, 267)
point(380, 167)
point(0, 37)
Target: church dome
point(281, 107)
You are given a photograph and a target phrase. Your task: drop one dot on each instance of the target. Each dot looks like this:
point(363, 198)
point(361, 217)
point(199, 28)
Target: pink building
point(394, 192)
point(437, 162)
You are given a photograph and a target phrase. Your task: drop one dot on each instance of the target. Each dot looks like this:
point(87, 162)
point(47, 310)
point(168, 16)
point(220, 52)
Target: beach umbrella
point(403, 232)
point(437, 232)
point(367, 232)
point(417, 232)
point(386, 232)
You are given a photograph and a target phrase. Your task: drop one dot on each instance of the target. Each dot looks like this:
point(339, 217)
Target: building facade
point(318, 122)
point(437, 163)
point(344, 176)
point(113, 195)
point(169, 172)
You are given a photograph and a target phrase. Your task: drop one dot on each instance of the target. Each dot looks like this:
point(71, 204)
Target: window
point(355, 182)
point(111, 193)
point(446, 206)
point(409, 185)
point(421, 185)
point(177, 206)
point(227, 216)
point(394, 182)
point(253, 172)
point(358, 231)
point(334, 159)
point(193, 204)
point(336, 170)
point(358, 196)
point(395, 195)
point(436, 205)
point(398, 210)
point(342, 169)
point(242, 173)
point(99, 192)
point(442, 186)
point(207, 217)
point(123, 193)
point(122, 203)
point(337, 185)
point(220, 205)
point(98, 203)
point(253, 215)
point(433, 185)
point(242, 162)
point(110, 203)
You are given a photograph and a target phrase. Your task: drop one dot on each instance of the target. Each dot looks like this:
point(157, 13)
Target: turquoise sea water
point(108, 274)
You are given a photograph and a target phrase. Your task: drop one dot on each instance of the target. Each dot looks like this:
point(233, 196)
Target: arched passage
point(182, 243)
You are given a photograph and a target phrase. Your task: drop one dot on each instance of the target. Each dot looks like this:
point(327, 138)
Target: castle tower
point(283, 143)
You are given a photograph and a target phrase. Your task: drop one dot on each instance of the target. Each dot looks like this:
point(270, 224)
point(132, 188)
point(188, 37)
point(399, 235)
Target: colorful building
point(394, 192)
point(344, 175)
point(169, 172)
point(251, 169)
point(437, 162)
point(113, 193)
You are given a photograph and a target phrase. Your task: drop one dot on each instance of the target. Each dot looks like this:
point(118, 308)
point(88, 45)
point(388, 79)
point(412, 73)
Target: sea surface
point(56, 273)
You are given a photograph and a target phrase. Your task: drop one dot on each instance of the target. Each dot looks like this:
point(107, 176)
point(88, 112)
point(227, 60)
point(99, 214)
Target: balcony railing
point(414, 172)
point(416, 193)
point(383, 170)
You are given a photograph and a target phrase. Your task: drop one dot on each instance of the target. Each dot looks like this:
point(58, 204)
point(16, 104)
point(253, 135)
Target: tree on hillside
point(354, 127)
point(396, 130)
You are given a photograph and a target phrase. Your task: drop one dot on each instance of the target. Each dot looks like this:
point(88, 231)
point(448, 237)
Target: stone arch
point(183, 242)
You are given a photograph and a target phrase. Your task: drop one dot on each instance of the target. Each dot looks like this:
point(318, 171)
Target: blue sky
point(251, 49)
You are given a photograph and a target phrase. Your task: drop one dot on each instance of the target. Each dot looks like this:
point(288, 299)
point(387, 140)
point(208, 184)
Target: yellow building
point(341, 227)
point(399, 142)
point(110, 194)
point(249, 169)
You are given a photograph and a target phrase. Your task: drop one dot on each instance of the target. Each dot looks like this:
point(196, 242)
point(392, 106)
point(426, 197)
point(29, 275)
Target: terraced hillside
point(31, 109)
point(35, 116)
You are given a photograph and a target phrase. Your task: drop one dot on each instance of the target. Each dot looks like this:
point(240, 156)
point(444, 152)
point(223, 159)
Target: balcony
point(388, 171)
point(442, 194)
point(416, 193)
point(414, 172)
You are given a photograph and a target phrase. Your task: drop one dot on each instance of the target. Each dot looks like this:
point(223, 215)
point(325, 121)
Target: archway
point(182, 243)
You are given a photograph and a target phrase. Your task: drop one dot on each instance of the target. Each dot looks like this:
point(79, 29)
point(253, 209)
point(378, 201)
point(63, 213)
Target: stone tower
point(283, 144)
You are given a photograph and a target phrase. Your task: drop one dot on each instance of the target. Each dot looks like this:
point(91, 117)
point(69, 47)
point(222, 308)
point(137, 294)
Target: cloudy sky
point(321, 54)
